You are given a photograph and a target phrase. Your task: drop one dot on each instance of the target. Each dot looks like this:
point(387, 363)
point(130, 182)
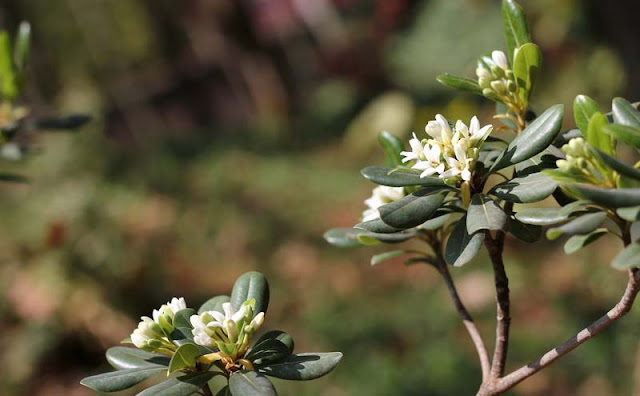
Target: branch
point(618, 311)
point(483, 356)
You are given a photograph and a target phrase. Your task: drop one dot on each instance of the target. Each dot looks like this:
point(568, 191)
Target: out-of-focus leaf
point(525, 232)
point(595, 135)
point(377, 226)
point(583, 109)
point(392, 146)
point(526, 65)
point(184, 357)
point(73, 121)
point(531, 188)
point(130, 358)
point(577, 242)
point(625, 113)
point(214, 304)
point(610, 198)
point(462, 247)
point(185, 385)
point(630, 213)
point(617, 166)
point(516, 32)
point(399, 177)
point(485, 214)
point(461, 83)
point(350, 237)
point(122, 379)
point(412, 210)
point(11, 178)
point(624, 133)
point(628, 258)
point(8, 82)
point(435, 223)
point(303, 366)
point(584, 224)
point(382, 257)
point(564, 137)
point(548, 216)
point(250, 285)
point(251, 383)
point(22, 42)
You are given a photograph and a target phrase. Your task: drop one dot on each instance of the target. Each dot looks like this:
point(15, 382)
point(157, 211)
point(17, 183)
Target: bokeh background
point(228, 135)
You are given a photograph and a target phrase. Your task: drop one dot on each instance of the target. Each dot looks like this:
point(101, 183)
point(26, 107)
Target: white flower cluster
point(381, 195)
point(230, 331)
point(449, 153)
point(583, 166)
point(153, 334)
point(495, 76)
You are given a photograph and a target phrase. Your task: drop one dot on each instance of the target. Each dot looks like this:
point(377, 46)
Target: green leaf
point(122, 379)
point(544, 160)
point(526, 65)
point(185, 357)
point(625, 113)
point(628, 258)
point(22, 43)
point(73, 121)
point(392, 146)
point(436, 222)
point(548, 216)
point(12, 178)
point(516, 32)
point(461, 83)
point(350, 237)
point(618, 166)
point(595, 135)
point(485, 214)
point(185, 385)
point(525, 232)
point(399, 177)
point(531, 188)
point(412, 210)
point(627, 134)
point(462, 247)
point(382, 257)
point(533, 140)
point(303, 366)
point(607, 197)
point(251, 383)
point(182, 318)
point(8, 81)
point(224, 391)
point(630, 214)
point(214, 304)
point(129, 358)
point(377, 226)
point(577, 242)
point(271, 347)
point(583, 109)
point(584, 224)
point(250, 285)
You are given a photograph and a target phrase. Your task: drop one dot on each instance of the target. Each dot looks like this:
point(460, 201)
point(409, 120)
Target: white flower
point(460, 166)
point(170, 309)
point(433, 161)
point(148, 336)
point(500, 59)
point(473, 134)
point(381, 195)
point(440, 131)
point(417, 149)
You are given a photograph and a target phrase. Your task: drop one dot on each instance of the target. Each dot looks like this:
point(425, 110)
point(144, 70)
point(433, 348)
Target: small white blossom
point(460, 166)
point(417, 150)
point(151, 334)
point(500, 59)
point(433, 163)
point(381, 195)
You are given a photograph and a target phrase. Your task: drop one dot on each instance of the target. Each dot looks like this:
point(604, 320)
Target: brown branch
point(483, 356)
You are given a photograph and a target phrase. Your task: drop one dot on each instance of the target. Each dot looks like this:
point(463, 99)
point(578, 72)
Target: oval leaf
point(618, 166)
point(122, 379)
point(525, 232)
point(185, 385)
point(629, 214)
point(272, 347)
point(485, 214)
point(584, 224)
point(596, 136)
point(214, 304)
point(583, 109)
point(577, 242)
point(462, 247)
point(461, 83)
point(526, 65)
point(412, 210)
point(624, 133)
point(548, 216)
point(182, 318)
point(382, 257)
point(610, 198)
point(377, 226)
point(251, 285)
point(399, 177)
point(531, 188)
point(628, 258)
point(184, 357)
point(516, 32)
point(251, 383)
point(128, 358)
point(625, 113)
point(303, 366)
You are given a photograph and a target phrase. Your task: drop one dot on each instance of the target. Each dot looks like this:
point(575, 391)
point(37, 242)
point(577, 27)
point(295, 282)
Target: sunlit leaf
point(624, 133)
point(516, 32)
point(122, 379)
point(129, 358)
point(526, 65)
point(460, 83)
point(596, 136)
point(531, 188)
point(549, 216)
point(412, 210)
point(625, 113)
point(583, 109)
point(303, 366)
point(214, 304)
point(399, 177)
point(185, 385)
point(250, 285)
point(251, 383)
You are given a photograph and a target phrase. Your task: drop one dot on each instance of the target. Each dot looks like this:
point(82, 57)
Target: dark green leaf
point(461, 83)
point(583, 109)
point(548, 216)
point(129, 358)
point(516, 32)
point(630, 214)
point(224, 391)
point(412, 210)
point(584, 224)
point(564, 137)
point(399, 177)
point(462, 247)
point(251, 383)
point(303, 366)
point(595, 135)
point(271, 347)
point(525, 232)
point(485, 214)
point(214, 304)
point(185, 385)
point(577, 242)
point(627, 134)
point(544, 160)
point(68, 122)
point(122, 379)
point(628, 258)
point(618, 166)
point(531, 188)
point(377, 226)
point(250, 285)
point(185, 357)
point(533, 139)
point(625, 113)
point(392, 146)
point(182, 318)
point(526, 65)
point(435, 223)
point(350, 237)
point(610, 198)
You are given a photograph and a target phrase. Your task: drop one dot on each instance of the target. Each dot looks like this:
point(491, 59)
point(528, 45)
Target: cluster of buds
point(153, 335)
point(380, 196)
point(582, 165)
point(229, 332)
point(450, 152)
point(496, 78)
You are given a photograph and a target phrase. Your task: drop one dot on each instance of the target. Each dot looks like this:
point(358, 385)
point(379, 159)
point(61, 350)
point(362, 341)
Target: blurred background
point(228, 136)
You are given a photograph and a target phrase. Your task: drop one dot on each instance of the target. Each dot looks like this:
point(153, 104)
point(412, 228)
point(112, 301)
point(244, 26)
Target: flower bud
point(497, 71)
point(499, 87)
point(230, 329)
point(500, 59)
point(483, 73)
point(484, 82)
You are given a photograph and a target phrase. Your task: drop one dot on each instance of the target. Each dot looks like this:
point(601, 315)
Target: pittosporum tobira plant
point(15, 122)
point(456, 187)
point(214, 350)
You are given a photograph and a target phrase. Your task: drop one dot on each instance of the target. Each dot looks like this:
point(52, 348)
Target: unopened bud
point(231, 330)
point(497, 71)
point(499, 87)
point(484, 82)
point(511, 86)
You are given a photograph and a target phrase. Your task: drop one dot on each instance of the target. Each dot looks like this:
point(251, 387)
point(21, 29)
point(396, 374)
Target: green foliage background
point(229, 136)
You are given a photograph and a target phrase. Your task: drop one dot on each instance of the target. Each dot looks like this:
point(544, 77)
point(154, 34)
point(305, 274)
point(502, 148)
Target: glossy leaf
point(250, 285)
point(624, 133)
point(251, 383)
point(272, 347)
point(181, 319)
point(485, 214)
point(412, 210)
point(303, 366)
point(577, 242)
point(185, 385)
point(214, 304)
point(544, 160)
point(525, 232)
point(584, 224)
point(616, 165)
point(583, 109)
point(526, 65)
point(392, 146)
point(610, 198)
point(548, 216)
point(534, 139)
point(625, 113)
point(462, 247)
point(461, 83)
point(630, 214)
point(185, 357)
point(596, 136)
point(382, 257)
point(628, 258)
point(129, 358)
point(122, 379)
point(399, 177)
point(73, 121)
point(516, 32)
point(531, 188)
point(377, 226)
